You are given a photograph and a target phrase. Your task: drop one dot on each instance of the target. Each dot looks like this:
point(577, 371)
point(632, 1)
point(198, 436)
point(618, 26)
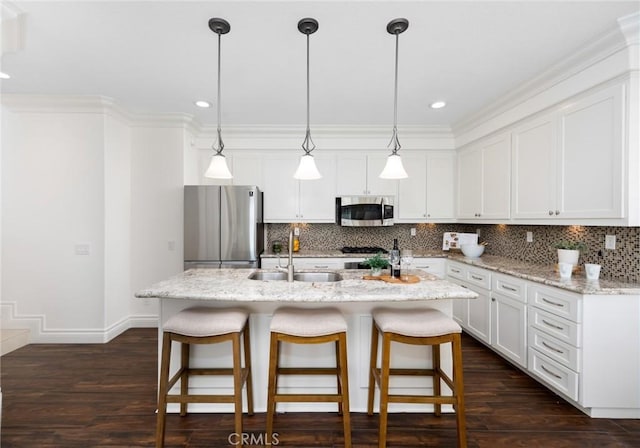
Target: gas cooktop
point(363, 250)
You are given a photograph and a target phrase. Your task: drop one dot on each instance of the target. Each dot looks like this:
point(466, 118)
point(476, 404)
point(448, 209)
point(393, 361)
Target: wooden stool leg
point(384, 389)
point(162, 392)
point(456, 346)
point(373, 363)
point(435, 356)
point(343, 370)
point(247, 365)
point(237, 386)
point(185, 353)
point(272, 386)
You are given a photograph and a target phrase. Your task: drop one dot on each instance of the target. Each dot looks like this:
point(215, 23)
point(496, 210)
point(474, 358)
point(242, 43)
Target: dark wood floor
point(59, 395)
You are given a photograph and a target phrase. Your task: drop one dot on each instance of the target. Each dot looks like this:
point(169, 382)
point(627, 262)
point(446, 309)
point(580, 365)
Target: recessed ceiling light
point(3, 75)
point(203, 104)
point(437, 105)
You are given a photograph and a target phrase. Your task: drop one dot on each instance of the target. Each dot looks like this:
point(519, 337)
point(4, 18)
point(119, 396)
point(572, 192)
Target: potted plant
point(377, 263)
point(569, 251)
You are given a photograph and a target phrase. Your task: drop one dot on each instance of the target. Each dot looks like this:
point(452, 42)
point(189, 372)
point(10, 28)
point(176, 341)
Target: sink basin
point(298, 276)
point(268, 276)
point(317, 277)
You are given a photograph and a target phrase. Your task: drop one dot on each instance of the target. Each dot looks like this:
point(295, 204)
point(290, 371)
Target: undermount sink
point(317, 277)
point(298, 276)
point(268, 276)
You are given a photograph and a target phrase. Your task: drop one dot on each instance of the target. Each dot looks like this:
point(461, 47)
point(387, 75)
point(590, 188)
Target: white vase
point(570, 256)
point(376, 272)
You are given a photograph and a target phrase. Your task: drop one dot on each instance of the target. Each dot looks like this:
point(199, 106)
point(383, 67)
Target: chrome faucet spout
point(289, 268)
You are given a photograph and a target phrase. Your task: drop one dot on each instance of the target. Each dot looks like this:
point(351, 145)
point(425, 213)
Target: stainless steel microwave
point(364, 211)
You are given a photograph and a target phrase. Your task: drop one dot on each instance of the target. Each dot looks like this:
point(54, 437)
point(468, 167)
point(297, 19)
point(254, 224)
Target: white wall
point(52, 200)
point(78, 173)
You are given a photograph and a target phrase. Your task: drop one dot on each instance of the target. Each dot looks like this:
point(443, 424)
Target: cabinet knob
point(493, 299)
point(557, 212)
point(550, 212)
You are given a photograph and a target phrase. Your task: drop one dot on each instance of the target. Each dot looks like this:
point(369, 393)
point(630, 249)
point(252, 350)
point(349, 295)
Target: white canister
point(565, 270)
point(592, 271)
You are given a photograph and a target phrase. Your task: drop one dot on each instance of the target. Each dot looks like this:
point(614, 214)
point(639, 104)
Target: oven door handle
point(381, 211)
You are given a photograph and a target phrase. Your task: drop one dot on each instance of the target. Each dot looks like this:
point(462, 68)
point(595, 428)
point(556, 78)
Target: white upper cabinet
point(428, 193)
point(484, 180)
point(568, 164)
point(357, 174)
point(289, 200)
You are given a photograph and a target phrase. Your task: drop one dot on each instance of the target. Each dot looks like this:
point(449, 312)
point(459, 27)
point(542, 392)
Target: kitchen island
point(353, 295)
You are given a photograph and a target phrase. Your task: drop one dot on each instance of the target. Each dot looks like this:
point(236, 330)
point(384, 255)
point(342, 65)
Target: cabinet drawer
point(564, 353)
point(479, 277)
point(433, 266)
point(510, 287)
point(557, 302)
point(456, 271)
point(556, 375)
point(562, 329)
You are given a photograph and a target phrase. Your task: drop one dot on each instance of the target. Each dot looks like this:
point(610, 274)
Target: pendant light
point(218, 168)
point(394, 169)
point(307, 169)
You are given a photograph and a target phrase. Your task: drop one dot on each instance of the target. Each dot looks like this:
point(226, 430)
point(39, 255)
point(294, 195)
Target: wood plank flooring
point(104, 395)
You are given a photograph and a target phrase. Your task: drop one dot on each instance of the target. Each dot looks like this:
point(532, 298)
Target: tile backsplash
point(622, 264)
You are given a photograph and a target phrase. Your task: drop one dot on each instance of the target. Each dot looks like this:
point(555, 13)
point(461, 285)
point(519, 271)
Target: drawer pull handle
point(423, 267)
point(550, 372)
point(509, 288)
point(321, 266)
point(551, 325)
point(455, 270)
point(552, 348)
point(475, 277)
point(551, 302)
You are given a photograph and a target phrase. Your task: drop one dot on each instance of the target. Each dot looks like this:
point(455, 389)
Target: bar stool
point(309, 326)
point(203, 325)
point(416, 327)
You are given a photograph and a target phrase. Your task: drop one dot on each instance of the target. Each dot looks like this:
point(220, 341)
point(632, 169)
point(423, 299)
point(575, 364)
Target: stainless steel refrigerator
point(223, 226)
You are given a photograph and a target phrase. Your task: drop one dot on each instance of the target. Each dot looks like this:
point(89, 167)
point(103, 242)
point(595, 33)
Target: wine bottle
point(394, 258)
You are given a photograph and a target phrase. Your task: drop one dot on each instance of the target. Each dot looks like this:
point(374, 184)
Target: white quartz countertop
point(234, 285)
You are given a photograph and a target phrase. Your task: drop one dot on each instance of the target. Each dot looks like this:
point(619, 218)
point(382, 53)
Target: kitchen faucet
point(289, 269)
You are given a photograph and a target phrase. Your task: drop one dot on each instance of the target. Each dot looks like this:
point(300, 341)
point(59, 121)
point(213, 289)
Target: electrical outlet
point(610, 242)
point(413, 231)
point(296, 231)
point(529, 237)
point(478, 232)
point(83, 249)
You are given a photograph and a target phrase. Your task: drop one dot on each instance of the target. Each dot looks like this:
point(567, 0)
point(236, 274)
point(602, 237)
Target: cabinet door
point(469, 183)
point(534, 168)
point(496, 178)
point(509, 328)
point(440, 186)
point(247, 169)
point(479, 315)
point(317, 197)
point(375, 185)
point(590, 157)
point(280, 189)
point(412, 191)
point(351, 175)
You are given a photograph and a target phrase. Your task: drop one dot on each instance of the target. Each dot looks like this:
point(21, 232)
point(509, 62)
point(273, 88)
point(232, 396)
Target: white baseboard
point(41, 334)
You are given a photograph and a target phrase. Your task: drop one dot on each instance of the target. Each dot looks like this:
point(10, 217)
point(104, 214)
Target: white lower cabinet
point(509, 318)
point(435, 266)
point(305, 262)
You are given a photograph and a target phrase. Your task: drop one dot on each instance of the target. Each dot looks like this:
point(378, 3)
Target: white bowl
point(472, 250)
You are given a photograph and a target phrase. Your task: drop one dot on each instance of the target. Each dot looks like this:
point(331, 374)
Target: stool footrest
point(200, 399)
point(307, 371)
point(293, 398)
point(421, 399)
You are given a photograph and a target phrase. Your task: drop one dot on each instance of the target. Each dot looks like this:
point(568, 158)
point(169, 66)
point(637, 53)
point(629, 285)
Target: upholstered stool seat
point(416, 327)
point(309, 326)
point(204, 325)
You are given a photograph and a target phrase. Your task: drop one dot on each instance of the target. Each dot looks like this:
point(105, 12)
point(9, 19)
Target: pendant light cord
point(308, 144)
point(394, 136)
point(218, 145)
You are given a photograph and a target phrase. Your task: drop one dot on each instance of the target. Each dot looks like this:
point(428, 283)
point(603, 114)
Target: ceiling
point(159, 57)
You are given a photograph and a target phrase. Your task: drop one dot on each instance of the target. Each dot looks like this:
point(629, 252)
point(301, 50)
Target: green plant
point(571, 245)
point(377, 261)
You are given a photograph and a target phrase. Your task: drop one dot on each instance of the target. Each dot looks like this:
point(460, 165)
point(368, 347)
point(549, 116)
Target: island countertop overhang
point(234, 285)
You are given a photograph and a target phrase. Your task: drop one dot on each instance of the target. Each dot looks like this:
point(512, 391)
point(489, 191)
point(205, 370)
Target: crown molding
point(598, 50)
point(91, 104)
point(630, 28)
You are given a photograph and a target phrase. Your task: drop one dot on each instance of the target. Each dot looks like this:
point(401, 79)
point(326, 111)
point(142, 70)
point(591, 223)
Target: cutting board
point(390, 279)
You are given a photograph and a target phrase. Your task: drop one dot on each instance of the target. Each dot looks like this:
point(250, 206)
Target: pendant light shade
point(218, 168)
point(307, 169)
point(394, 169)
